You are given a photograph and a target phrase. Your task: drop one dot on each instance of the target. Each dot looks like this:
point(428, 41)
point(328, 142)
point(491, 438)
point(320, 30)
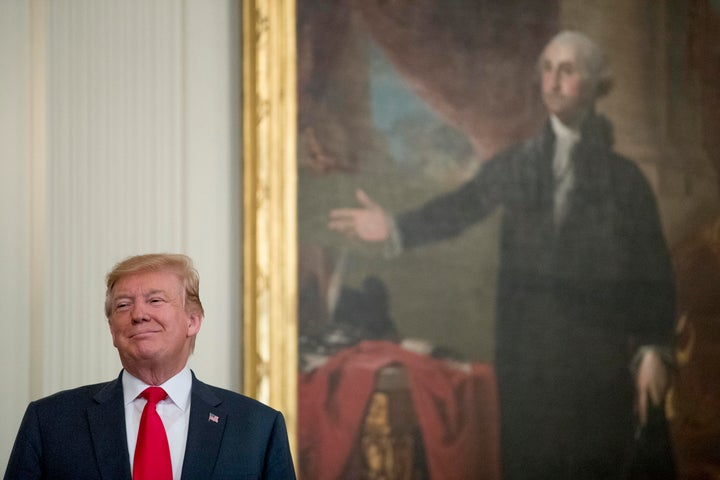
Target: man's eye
point(567, 69)
point(121, 305)
point(156, 300)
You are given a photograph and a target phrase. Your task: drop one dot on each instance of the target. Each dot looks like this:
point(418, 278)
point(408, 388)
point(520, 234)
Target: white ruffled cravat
point(563, 171)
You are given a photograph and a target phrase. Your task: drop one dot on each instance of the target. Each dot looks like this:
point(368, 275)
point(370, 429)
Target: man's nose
point(555, 79)
point(138, 313)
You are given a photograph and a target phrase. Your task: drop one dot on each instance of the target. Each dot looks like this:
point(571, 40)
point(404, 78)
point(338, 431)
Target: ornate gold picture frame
point(663, 111)
point(269, 239)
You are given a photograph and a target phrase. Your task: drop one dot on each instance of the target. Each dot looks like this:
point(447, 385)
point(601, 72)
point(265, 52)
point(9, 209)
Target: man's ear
point(194, 322)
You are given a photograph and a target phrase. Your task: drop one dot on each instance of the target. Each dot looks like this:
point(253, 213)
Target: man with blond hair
point(156, 421)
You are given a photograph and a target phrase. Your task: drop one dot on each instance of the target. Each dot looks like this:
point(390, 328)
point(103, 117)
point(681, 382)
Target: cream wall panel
point(114, 165)
point(212, 195)
point(15, 195)
point(127, 143)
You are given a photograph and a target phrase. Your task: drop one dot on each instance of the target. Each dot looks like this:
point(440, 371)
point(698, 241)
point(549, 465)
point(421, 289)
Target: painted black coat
point(574, 301)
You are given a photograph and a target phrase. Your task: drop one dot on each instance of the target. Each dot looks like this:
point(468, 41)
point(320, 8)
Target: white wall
point(119, 134)
point(14, 218)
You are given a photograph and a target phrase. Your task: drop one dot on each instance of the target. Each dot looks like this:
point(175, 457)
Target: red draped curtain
point(472, 61)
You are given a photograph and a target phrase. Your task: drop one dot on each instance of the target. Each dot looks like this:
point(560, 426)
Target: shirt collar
point(563, 131)
point(177, 387)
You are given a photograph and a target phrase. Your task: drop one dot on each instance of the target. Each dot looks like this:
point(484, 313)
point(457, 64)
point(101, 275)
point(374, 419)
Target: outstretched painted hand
point(369, 222)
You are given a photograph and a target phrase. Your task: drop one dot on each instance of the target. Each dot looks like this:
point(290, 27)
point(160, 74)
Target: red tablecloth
point(456, 409)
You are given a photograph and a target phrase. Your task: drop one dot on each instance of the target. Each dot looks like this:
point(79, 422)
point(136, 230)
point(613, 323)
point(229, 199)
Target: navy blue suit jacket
point(80, 434)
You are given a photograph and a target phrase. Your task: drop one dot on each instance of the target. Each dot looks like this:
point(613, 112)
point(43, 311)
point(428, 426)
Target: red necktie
point(152, 453)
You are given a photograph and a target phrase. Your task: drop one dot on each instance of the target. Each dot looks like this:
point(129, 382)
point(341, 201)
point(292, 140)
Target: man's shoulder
point(528, 148)
point(521, 158)
point(71, 399)
point(623, 169)
point(232, 400)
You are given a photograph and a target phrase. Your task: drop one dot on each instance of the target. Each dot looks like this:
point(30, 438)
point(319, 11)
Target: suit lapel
point(205, 432)
point(107, 427)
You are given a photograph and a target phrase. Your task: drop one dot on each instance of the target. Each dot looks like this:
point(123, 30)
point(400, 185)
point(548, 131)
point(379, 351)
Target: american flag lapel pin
point(213, 418)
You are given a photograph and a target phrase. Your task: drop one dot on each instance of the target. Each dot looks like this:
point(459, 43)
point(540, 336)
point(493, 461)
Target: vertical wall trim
point(37, 207)
point(183, 124)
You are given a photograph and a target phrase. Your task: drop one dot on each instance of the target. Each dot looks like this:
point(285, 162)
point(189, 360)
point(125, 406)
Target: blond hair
point(178, 264)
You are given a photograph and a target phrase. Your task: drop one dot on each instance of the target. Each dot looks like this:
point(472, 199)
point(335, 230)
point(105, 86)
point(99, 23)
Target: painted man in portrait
point(585, 282)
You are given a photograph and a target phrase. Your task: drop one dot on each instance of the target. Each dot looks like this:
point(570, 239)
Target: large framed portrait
point(426, 294)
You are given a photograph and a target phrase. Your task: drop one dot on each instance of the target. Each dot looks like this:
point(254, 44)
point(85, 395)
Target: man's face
point(148, 321)
point(566, 88)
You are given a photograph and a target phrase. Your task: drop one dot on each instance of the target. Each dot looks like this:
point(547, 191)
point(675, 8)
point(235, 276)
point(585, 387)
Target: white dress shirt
point(565, 139)
point(174, 412)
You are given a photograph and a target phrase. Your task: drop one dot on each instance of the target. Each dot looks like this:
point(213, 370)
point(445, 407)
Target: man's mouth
point(142, 334)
